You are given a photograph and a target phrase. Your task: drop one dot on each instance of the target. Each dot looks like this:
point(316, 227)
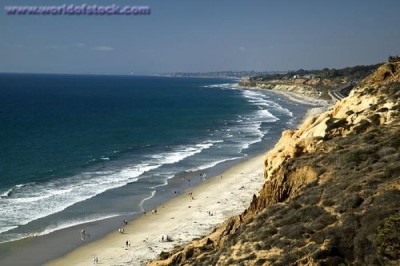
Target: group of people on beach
point(121, 230)
point(166, 238)
point(190, 194)
point(203, 176)
point(154, 211)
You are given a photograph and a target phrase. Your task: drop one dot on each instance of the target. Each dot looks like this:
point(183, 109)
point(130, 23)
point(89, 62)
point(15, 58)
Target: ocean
point(81, 148)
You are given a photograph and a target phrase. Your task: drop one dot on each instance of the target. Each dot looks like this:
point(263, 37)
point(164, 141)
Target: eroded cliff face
point(331, 194)
point(297, 87)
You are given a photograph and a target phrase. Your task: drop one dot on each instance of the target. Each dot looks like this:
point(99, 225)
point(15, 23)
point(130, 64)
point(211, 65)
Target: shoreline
point(39, 249)
point(317, 105)
point(183, 218)
point(55, 247)
point(292, 96)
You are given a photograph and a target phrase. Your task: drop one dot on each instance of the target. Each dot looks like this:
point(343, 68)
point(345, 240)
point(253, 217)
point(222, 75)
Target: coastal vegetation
point(331, 192)
point(315, 83)
point(350, 73)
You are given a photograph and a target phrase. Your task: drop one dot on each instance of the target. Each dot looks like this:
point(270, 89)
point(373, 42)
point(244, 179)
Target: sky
point(201, 36)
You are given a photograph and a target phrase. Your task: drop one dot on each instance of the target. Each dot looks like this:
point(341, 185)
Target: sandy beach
point(190, 214)
point(303, 99)
point(183, 218)
point(318, 105)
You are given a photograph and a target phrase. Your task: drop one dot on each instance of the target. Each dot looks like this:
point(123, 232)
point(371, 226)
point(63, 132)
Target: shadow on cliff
point(331, 194)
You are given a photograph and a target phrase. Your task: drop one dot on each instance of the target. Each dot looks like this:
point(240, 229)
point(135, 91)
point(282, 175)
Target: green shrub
point(292, 232)
point(352, 157)
point(388, 239)
point(392, 171)
point(310, 213)
point(326, 219)
point(164, 255)
point(328, 202)
point(394, 141)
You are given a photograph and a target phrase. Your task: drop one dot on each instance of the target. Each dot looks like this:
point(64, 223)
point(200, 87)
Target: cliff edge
point(331, 193)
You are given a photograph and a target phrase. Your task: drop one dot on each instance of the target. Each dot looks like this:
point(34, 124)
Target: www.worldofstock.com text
point(77, 10)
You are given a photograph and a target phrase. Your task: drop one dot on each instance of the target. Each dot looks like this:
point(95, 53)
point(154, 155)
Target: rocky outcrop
point(331, 193)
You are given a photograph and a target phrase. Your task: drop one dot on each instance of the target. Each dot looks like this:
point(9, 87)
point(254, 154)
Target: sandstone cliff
point(331, 193)
point(295, 87)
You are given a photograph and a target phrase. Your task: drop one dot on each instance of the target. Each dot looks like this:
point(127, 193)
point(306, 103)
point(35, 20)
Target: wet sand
point(182, 218)
point(186, 216)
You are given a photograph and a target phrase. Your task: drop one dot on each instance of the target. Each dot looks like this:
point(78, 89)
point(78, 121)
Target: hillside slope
point(331, 192)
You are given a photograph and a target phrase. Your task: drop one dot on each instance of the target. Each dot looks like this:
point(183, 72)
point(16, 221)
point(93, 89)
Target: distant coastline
point(181, 218)
point(251, 130)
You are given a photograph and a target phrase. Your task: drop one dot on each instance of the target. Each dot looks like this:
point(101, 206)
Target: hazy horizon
point(207, 36)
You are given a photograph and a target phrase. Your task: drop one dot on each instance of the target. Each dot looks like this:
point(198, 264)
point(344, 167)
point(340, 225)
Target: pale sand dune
point(181, 218)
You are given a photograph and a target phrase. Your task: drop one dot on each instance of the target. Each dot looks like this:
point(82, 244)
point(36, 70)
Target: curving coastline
point(330, 193)
point(181, 218)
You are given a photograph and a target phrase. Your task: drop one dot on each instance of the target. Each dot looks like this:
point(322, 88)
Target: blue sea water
point(81, 148)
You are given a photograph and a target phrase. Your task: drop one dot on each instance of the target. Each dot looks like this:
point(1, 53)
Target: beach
point(191, 214)
point(119, 183)
point(318, 105)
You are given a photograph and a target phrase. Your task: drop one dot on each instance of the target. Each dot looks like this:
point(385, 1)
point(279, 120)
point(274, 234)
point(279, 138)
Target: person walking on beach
point(203, 175)
point(83, 234)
